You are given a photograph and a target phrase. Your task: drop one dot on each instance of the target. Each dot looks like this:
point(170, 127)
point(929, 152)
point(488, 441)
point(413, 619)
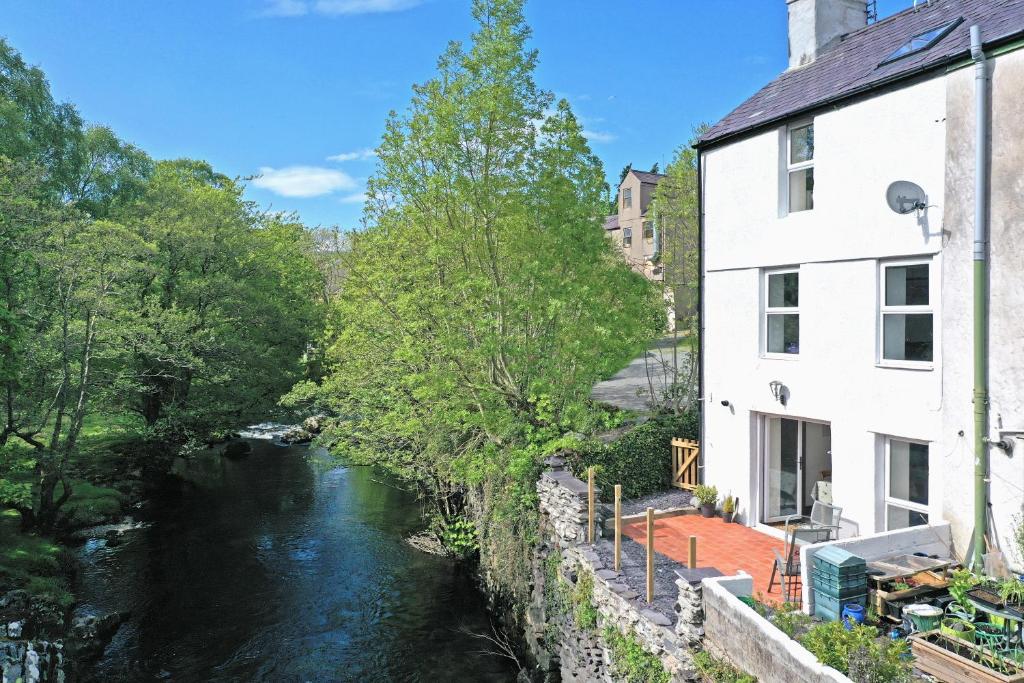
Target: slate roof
point(852, 66)
point(653, 178)
point(611, 222)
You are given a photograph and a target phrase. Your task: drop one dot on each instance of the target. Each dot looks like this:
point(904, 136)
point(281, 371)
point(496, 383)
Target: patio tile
point(728, 548)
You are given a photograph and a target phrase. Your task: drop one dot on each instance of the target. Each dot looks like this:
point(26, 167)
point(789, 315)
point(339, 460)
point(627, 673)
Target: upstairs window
point(907, 323)
point(921, 42)
point(627, 198)
point(627, 237)
point(782, 312)
point(800, 165)
point(648, 230)
point(906, 488)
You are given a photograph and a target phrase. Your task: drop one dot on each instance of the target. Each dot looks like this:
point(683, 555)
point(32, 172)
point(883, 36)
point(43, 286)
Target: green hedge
point(641, 460)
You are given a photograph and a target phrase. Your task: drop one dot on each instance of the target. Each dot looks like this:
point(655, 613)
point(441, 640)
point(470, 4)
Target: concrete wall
point(922, 133)
point(736, 632)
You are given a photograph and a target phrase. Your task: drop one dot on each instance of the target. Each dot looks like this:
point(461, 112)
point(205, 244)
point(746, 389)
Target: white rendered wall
point(859, 150)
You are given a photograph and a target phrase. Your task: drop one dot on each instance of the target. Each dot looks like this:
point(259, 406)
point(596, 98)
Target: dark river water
point(284, 567)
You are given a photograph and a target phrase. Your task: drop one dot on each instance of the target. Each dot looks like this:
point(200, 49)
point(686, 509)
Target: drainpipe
point(981, 268)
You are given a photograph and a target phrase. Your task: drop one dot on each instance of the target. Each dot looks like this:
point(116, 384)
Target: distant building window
point(921, 42)
point(906, 484)
point(627, 198)
point(906, 315)
point(782, 312)
point(627, 237)
point(800, 165)
point(648, 230)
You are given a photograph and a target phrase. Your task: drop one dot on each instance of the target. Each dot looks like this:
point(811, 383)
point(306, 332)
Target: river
point(284, 566)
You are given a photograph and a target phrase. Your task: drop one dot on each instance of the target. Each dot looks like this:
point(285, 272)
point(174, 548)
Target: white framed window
point(627, 198)
point(627, 237)
point(648, 230)
point(781, 324)
point(906, 483)
point(800, 166)
point(906, 318)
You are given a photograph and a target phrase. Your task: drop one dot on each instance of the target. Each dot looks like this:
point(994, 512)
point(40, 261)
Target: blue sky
point(298, 90)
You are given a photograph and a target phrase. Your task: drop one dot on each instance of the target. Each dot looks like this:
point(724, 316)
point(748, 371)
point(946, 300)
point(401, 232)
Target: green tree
point(483, 301)
point(674, 207)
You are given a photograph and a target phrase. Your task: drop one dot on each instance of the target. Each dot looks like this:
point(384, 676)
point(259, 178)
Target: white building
point(837, 345)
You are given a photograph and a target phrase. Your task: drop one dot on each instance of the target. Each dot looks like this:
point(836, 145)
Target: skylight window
point(921, 42)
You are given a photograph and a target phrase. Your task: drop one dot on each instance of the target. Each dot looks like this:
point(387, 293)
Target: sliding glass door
point(797, 464)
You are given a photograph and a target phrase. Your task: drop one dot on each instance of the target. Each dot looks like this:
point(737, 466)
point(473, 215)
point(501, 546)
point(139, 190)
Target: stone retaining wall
point(582, 654)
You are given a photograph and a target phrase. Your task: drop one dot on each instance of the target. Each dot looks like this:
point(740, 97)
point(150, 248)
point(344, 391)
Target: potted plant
point(728, 509)
point(1012, 593)
point(707, 497)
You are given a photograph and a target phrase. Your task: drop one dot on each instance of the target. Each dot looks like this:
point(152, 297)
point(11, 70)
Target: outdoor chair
point(788, 568)
point(823, 516)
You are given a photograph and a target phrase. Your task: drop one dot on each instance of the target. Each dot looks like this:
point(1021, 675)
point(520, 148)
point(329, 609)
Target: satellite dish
point(905, 197)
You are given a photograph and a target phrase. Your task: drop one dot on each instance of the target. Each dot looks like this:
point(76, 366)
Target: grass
point(32, 562)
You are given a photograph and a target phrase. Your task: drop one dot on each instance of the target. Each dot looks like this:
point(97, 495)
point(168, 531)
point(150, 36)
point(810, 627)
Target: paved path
point(629, 389)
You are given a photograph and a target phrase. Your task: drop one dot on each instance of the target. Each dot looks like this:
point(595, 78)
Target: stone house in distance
point(630, 229)
point(838, 332)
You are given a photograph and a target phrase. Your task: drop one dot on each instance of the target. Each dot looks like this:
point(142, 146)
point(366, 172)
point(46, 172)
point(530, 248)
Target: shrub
point(584, 612)
point(631, 662)
point(790, 620)
point(859, 653)
point(641, 460)
point(460, 538)
point(716, 670)
point(707, 495)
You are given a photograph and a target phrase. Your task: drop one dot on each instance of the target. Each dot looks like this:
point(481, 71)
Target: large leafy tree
point(483, 301)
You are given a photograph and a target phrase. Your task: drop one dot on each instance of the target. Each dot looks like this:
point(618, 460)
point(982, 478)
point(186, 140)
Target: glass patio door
point(783, 488)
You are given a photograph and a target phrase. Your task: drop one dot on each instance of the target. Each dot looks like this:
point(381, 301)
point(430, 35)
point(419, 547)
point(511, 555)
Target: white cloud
point(599, 136)
point(303, 181)
point(285, 8)
point(356, 198)
point(298, 8)
point(358, 155)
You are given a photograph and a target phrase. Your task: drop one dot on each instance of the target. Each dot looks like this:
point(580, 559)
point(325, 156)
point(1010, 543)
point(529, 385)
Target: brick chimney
point(815, 26)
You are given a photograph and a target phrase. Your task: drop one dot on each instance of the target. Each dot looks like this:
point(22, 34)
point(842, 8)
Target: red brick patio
point(726, 547)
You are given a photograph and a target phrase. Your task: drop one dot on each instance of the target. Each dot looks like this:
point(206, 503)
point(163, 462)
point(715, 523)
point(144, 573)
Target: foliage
point(729, 504)
point(557, 601)
point(707, 495)
point(630, 661)
point(584, 611)
point(859, 653)
point(459, 537)
point(482, 300)
point(962, 581)
point(640, 460)
point(716, 670)
point(790, 620)
point(1012, 591)
point(32, 562)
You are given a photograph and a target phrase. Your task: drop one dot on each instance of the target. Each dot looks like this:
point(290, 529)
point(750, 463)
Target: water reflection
point(281, 568)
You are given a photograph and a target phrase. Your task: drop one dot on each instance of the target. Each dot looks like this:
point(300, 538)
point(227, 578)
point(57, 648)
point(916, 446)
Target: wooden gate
point(684, 464)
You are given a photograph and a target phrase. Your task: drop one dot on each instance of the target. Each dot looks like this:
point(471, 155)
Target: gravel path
point(662, 500)
point(634, 574)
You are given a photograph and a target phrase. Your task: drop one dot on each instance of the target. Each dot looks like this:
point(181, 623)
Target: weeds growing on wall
point(583, 609)
point(631, 662)
point(714, 670)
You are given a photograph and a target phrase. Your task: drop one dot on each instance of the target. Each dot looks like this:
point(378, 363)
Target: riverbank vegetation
point(483, 300)
point(144, 305)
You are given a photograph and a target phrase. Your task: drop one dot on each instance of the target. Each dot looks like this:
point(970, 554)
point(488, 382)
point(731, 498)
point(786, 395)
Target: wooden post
point(618, 527)
point(691, 559)
point(590, 505)
point(650, 555)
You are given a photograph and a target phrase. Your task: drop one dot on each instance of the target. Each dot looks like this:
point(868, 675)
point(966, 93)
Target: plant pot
point(727, 517)
point(957, 628)
point(707, 509)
